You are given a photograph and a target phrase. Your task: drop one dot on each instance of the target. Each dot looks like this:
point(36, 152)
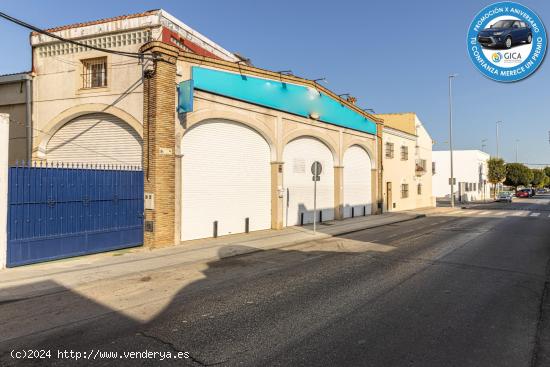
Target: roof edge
point(16, 77)
point(99, 21)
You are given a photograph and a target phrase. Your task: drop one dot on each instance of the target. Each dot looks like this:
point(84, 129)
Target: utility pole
point(451, 136)
point(497, 124)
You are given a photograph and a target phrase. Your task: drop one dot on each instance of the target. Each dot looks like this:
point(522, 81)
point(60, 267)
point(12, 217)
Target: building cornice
point(399, 133)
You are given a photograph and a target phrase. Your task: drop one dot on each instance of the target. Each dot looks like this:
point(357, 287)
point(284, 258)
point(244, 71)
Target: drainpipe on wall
point(379, 128)
point(28, 116)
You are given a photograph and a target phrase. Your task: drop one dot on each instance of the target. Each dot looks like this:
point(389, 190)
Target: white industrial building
point(470, 173)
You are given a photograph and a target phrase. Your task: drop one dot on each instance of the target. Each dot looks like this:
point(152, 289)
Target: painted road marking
point(535, 214)
point(485, 213)
point(501, 213)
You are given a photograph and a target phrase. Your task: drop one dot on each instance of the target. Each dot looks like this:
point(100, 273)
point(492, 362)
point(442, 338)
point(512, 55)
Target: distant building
point(407, 162)
point(15, 95)
point(470, 173)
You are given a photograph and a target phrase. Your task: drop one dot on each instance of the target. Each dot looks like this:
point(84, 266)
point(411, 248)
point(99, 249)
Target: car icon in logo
point(505, 33)
point(497, 56)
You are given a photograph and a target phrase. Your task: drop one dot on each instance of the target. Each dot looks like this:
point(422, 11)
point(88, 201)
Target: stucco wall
point(400, 172)
point(57, 88)
point(468, 166)
point(12, 102)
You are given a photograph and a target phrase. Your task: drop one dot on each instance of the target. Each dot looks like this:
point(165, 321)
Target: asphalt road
point(465, 288)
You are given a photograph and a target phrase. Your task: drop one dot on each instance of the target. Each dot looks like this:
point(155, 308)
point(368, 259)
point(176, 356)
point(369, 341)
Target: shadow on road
point(65, 320)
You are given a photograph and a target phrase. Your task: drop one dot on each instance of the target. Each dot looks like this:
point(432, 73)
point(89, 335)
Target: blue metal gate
point(63, 211)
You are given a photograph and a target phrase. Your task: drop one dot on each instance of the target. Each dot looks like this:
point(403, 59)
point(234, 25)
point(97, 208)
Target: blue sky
point(393, 55)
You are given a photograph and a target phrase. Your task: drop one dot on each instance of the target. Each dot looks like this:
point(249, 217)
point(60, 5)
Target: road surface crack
point(177, 350)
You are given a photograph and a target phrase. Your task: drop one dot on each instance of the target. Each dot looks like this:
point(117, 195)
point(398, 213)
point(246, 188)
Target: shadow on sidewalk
point(68, 320)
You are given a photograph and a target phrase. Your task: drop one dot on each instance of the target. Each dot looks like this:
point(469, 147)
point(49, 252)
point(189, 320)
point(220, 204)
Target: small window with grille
point(404, 191)
point(404, 152)
point(389, 150)
point(94, 73)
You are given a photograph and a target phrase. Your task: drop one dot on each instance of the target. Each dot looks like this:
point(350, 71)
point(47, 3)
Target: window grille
point(389, 150)
point(94, 73)
point(404, 191)
point(404, 153)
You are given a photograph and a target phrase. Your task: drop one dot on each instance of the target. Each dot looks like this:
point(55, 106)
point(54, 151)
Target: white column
point(4, 141)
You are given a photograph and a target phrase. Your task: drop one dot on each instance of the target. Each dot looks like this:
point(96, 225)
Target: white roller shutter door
point(298, 156)
point(226, 177)
point(95, 138)
point(357, 182)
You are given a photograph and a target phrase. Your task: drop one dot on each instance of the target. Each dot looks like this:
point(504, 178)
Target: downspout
point(28, 99)
point(379, 128)
point(28, 115)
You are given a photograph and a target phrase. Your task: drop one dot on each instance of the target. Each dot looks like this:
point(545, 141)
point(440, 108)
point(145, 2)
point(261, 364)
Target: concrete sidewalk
point(45, 278)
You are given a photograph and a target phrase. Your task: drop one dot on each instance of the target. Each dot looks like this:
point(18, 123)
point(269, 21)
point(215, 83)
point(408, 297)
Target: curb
point(247, 250)
point(318, 237)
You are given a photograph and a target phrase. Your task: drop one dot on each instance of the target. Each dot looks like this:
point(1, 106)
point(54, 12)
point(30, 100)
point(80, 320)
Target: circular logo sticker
point(507, 41)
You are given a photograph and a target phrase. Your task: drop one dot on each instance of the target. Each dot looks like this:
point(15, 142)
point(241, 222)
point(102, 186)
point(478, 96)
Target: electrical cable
point(73, 143)
point(19, 22)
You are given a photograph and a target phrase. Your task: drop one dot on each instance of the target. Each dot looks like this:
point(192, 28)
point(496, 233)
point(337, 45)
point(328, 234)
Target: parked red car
point(522, 194)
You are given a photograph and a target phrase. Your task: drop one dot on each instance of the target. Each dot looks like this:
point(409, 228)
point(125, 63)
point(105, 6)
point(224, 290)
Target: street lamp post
point(497, 125)
point(451, 136)
point(483, 145)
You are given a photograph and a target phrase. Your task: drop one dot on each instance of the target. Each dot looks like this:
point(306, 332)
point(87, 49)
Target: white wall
point(470, 166)
point(4, 140)
point(400, 172)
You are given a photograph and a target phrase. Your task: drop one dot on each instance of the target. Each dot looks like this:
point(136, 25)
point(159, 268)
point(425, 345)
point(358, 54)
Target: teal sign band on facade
point(296, 99)
point(185, 96)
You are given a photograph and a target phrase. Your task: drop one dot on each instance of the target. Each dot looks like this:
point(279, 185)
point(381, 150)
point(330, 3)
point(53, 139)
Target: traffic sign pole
point(315, 199)
point(316, 169)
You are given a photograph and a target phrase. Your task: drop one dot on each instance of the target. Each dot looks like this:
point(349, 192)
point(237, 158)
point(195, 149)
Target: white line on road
point(502, 213)
point(535, 214)
point(485, 213)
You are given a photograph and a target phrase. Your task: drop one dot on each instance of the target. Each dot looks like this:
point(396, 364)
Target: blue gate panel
point(57, 212)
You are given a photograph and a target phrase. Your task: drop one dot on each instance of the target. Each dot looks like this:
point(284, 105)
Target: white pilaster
point(4, 141)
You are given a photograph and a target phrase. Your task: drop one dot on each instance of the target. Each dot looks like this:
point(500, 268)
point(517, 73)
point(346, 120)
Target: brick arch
point(205, 116)
point(308, 133)
point(47, 132)
point(363, 146)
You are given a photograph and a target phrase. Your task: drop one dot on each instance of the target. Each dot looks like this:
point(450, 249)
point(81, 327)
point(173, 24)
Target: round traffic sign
point(316, 168)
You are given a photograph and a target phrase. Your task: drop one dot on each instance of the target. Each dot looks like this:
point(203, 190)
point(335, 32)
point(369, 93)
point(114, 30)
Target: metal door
point(64, 211)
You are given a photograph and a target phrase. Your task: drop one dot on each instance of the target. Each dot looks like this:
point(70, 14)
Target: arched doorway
point(298, 156)
point(95, 138)
point(226, 180)
point(357, 182)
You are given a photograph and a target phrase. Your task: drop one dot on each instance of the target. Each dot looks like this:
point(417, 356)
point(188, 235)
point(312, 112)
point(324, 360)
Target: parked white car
point(505, 196)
